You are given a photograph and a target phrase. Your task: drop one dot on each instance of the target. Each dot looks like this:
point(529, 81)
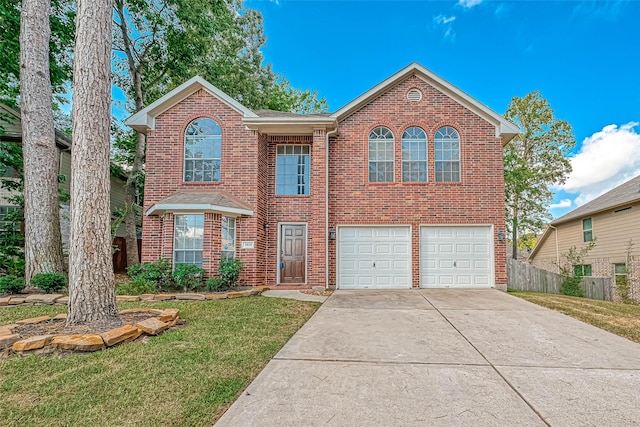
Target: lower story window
point(620, 271)
point(187, 240)
point(228, 237)
point(8, 219)
point(583, 270)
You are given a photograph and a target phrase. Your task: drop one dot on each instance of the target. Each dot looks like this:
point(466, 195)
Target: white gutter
point(326, 208)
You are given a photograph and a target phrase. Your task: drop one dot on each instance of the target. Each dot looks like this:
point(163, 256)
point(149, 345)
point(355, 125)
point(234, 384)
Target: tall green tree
point(91, 291)
point(160, 44)
point(534, 161)
point(43, 241)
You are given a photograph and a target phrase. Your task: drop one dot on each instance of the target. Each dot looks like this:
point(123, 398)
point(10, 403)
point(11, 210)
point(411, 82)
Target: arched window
point(414, 155)
point(447, 152)
point(202, 151)
point(381, 155)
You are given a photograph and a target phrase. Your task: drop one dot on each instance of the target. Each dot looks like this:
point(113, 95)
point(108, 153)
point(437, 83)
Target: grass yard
point(185, 377)
point(620, 319)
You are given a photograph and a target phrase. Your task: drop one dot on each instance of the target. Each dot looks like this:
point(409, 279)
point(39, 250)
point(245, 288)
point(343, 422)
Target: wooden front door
point(293, 257)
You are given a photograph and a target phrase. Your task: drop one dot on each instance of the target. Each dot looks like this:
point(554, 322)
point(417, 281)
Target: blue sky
point(583, 56)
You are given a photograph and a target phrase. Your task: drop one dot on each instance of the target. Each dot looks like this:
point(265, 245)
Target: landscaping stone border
point(60, 299)
point(157, 322)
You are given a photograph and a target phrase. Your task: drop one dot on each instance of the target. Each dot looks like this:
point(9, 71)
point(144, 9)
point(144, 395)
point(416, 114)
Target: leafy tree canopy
point(534, 160)
point(60, 48)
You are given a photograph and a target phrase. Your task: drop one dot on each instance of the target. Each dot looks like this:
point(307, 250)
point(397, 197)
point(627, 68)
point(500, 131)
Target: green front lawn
point(617, 318)
point(185, 377)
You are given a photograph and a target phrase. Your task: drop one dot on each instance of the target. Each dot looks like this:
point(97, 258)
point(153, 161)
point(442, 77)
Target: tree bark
point(91, 284)
point(43, 241)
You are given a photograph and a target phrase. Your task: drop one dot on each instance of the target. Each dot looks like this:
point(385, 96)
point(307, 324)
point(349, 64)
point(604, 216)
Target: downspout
point(326, 207)
point(557, 251)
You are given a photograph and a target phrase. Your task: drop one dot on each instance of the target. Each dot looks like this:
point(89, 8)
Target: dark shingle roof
point(625, 193)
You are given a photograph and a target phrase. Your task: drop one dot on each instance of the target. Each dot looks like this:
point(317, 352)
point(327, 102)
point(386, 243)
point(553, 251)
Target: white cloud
point(441, 19)
point(446, 23)
point(564, 203)
point(606, 159)
point(469, 3)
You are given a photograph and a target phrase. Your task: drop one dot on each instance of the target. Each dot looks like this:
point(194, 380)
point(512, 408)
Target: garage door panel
point(456, 256)
point(374, 257)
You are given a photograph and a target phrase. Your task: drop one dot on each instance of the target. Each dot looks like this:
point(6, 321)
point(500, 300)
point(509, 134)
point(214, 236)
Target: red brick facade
point(248, 168)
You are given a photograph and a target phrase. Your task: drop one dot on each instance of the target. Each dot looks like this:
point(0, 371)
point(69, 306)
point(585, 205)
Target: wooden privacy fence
point(525, 277)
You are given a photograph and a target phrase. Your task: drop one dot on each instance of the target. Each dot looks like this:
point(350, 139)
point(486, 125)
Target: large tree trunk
point(91, 287)
point(43, 242)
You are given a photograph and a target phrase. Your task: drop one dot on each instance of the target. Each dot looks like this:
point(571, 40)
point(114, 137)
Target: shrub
point(160, 273)
point(215, 284)
point(189, 277)
point(49, 282)
point(11, 284)
point(229, 271)
point(571, 287)
point(136, 287)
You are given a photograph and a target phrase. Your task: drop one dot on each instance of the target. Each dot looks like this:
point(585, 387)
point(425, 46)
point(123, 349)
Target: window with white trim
point(381, 155)
point(228, 237)
point(414, 155)
point(447, 154)
point(582, 270)
point(9, 222)
point(187, 240)
point(587, 230)
point(202, 151)
point(293, 169)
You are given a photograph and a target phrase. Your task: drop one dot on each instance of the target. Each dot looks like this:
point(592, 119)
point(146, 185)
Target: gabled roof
point(201, 201)
point(621, 195)
point(62, 140)
point(145, 119)
point(504, 128)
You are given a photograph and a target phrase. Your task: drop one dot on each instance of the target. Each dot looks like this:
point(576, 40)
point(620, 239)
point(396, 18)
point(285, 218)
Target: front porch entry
point(293, 254)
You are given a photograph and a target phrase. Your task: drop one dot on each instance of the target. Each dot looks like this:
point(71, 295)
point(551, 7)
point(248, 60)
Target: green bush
point(215, 284)
point(160, 273)
point(571, 287)
point(229, 271)
point(11, 284)
point(189, 277)
point(49, 282)
point(136, 287)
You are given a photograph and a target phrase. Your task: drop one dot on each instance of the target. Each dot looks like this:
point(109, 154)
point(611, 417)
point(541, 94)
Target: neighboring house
point(402, 187)
point(10, 121)
point(613, 220)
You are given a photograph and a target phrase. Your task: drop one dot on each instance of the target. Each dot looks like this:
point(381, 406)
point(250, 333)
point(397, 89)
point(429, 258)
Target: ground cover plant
point(620, 319)
point(186, 377)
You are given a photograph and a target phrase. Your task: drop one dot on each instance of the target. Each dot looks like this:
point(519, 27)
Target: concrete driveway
point(444, 358)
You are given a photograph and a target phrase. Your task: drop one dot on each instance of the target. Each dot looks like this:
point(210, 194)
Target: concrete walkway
point(444, 358)
point(293, 294)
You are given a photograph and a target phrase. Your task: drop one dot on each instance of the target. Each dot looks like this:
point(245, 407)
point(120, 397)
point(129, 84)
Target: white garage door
point(456, 257)
point(374, 258)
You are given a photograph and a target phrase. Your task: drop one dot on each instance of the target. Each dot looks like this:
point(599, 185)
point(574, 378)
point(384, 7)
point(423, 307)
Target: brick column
point(166, 250)
point(317, 236)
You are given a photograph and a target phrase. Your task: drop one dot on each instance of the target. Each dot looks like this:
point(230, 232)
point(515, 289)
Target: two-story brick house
point(402, 187)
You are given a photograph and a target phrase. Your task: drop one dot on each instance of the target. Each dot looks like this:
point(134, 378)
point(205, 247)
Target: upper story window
point(587, 230)
point(447, 153)
point(202, 151)
point(414, 155)
point(188, 239)
point(381, 155)
point(228, 237)
point(293, 168)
